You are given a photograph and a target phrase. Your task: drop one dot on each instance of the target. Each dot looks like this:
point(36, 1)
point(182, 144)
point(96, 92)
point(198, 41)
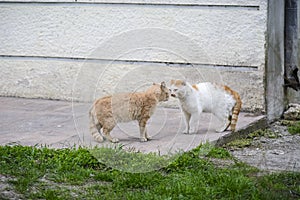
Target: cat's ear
point(183, 83)
point(172, 82)
point(163, 85)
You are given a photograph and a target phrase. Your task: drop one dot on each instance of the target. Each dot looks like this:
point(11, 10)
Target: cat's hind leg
point(95, 131)
point(95, 127)
point(225, 120)
point(107, 128)
point(223, 127)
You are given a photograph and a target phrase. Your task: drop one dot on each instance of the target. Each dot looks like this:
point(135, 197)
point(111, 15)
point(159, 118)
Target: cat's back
point(112, 100)
point(123, 107)
point(206, 89)
point(212, 89)
point(103, 102)
point(212, 92)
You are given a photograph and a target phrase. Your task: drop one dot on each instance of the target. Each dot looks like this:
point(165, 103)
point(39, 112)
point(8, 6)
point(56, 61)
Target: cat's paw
point(185, 131)
point(143, 139)
point(115, 140)
point(223, 128)
point(149, 138)
point(219, 130)
point(193, 131)
point(99, 138)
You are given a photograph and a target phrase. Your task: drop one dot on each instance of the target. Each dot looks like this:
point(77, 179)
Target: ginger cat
point(106, 112)
point(220, 100)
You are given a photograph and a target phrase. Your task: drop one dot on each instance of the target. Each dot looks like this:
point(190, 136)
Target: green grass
point(135, 162)
point(294, 128)
point(43, 173)
point(280, 186)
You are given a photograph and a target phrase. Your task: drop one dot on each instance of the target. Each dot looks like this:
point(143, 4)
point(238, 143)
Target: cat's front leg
point(143, 130)
point(194, 123)
point(187, 117)
point(146, 134)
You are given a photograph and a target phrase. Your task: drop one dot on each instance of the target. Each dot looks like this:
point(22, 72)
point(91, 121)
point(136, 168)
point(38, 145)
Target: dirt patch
point(7, 190)
point(279, 151)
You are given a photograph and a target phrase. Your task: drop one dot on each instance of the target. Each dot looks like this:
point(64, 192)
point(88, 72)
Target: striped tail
point(95, 126)
point(235, 111)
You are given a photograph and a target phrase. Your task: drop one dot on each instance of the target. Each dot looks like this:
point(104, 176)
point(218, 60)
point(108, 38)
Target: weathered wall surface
point(275, 63)
point(82, 50)
point(294, 96)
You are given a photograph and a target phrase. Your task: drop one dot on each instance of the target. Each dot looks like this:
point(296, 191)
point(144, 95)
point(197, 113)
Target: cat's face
point(164, 95)
point(177, 88)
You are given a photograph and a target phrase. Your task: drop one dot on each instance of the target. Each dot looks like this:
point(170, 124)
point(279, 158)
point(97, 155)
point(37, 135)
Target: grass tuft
point(294, 128)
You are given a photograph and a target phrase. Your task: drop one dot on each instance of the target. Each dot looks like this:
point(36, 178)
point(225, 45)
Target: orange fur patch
point(235, 95)
point(177, 82)
point(195, 87)
point(236, 109)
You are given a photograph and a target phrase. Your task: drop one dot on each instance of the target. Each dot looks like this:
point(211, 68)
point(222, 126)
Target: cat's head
point(164, 94)
point(177, 88)
point(160, 91)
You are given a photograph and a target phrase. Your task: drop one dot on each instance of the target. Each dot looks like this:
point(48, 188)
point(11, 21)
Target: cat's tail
point(95, 126)
point(235, 110)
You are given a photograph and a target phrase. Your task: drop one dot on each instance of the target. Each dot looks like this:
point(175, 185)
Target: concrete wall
point(82, 50)
point(275, 92)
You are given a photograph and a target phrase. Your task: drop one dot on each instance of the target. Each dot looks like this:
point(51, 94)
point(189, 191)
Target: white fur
point(208, 98)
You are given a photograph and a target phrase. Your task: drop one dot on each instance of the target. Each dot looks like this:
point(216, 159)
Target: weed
point(263, 133)
point(239, 143)
point(286, 122)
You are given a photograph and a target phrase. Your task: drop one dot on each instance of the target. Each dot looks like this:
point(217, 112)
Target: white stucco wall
point(44, 44)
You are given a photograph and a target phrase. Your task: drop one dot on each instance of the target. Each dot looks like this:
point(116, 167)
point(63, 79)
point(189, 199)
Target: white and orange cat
point(220, 100)
point(106, 112)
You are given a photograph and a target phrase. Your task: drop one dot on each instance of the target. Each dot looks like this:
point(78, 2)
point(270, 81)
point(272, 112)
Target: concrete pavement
point(61, 124)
